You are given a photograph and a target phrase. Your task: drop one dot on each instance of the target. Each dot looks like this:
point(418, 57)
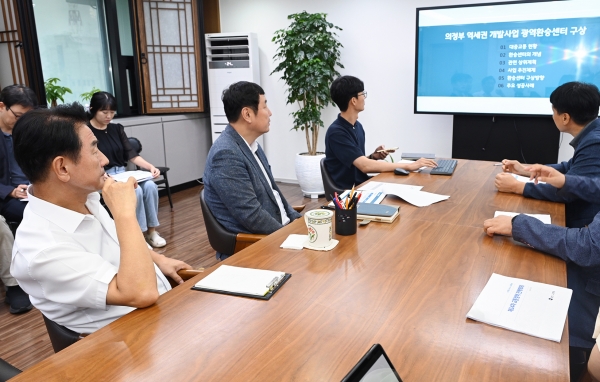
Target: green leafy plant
point(87, 96)
point(55, 92)
point(308, 53)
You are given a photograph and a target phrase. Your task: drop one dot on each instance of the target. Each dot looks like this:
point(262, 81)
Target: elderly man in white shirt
point(81, 269)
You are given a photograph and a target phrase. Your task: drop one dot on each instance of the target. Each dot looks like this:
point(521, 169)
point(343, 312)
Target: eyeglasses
point(363, 94)
point(16, 116)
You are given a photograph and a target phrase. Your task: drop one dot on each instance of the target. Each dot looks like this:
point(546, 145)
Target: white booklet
point(544, 218)
point(139, 175)
point(523, 306)
point(249, 281)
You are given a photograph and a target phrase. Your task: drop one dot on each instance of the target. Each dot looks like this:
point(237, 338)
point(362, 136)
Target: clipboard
point(265, 297)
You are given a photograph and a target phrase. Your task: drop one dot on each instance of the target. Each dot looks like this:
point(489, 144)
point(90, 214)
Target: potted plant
point(308, 53)
point(87, 96)
point(55, 92)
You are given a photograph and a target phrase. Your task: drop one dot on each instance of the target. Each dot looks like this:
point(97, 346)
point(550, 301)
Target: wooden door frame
point(140, 38)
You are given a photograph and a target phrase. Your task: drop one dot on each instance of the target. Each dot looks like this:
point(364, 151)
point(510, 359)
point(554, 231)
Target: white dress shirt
point(65, 260)
point(284, 217)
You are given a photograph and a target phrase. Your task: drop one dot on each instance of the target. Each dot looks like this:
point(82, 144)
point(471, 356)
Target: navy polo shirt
point(344, 143)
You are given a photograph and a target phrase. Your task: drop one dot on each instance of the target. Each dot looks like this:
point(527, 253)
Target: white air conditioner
point(231, 57)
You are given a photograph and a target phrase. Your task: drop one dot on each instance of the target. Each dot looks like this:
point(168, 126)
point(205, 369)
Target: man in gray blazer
point(239, 187)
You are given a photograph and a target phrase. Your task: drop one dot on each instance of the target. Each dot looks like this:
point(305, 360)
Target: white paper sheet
point(240, 280)
point(525, 179)
point(409, 193)
point(544, 218)
point(523, 306)
point(139, 175)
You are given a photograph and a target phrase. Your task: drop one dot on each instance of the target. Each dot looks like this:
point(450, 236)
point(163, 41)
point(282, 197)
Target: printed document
point(139, 176)
point(409, 193)
point(523, 306)
point(544, 218)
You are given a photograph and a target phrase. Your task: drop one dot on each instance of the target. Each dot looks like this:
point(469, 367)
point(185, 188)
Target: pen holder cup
point(345, 221)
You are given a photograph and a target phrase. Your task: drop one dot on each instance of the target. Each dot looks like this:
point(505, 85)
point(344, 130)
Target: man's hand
point(501, 225)
point(120, 197)
point(20, 192)
point(422, 162)
point(169, 267)
point(507, 183)
point(546, 174)
point(514, 166)
point(155, 172)
point(381, 155)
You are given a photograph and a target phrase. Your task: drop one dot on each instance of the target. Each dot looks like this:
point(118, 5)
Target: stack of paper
point(255, 282)
point(523, 306)
point(544, 218)
point(139, 176)
point(409, 193)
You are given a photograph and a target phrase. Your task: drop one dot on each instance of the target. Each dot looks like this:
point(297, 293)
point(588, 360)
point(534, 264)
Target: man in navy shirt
point(575, 111)
point(345, 157)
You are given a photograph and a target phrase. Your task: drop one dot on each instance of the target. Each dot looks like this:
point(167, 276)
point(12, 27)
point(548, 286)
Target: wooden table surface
point(407, 285)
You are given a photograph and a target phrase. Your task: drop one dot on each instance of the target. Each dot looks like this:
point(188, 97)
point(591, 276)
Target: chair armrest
point(299, 208)
point(249, 237)
point(187, 274)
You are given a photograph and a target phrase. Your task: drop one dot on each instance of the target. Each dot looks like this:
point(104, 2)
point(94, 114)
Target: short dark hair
point(343, 89)
point(101, 101)
point(240, 95)
point(41, 135)
point(18, 95)
point(578, 99)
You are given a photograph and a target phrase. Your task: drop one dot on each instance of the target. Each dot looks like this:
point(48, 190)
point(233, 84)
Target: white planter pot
point(308, 172)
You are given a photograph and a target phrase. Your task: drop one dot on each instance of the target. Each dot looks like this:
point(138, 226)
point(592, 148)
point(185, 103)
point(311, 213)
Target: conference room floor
point(23, 338)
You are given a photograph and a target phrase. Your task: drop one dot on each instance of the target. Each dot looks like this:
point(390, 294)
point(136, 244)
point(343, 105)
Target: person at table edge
point(579, 247)
point(575, 107)
point(239, 187)
point(82, 269)
point(345, 157)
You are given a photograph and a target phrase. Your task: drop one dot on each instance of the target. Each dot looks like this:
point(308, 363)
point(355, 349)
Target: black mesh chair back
point(60, 336)
point(163, 183)
point(219, 238)
point(7, 371)
point(330, 187)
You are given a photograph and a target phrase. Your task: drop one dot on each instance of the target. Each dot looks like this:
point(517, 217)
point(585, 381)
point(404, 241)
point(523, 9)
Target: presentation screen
point(504, 58)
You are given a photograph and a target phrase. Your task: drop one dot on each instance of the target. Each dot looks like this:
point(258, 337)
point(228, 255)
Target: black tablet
point(375, 366)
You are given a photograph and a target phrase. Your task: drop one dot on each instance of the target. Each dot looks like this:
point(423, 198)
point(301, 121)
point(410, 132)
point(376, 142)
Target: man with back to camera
point(15, 100)
point(239, 187)
point(345, 157)
point(579, 247)
point(575, 107)
point(82, 269)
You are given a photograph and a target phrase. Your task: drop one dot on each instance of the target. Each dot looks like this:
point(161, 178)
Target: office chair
point(163, 183)
point(224, 241)
point(7, 371)
point(61, 337)
point(328, 183)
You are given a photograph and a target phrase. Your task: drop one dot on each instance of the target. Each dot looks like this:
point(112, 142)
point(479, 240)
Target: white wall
point(379, 48)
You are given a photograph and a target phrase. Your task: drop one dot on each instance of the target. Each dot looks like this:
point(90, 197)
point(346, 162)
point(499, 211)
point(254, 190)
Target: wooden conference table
point(407, 285)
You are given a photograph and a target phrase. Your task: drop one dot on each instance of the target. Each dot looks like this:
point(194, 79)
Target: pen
point(497, 164)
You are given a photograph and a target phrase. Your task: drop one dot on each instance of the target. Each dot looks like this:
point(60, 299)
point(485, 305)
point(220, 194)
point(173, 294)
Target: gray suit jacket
point(236, 190)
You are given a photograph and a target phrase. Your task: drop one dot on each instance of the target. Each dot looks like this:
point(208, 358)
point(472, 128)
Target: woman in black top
point(113, 142)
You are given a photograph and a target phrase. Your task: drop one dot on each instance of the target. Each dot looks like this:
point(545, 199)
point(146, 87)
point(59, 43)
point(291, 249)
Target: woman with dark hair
point(113, 142)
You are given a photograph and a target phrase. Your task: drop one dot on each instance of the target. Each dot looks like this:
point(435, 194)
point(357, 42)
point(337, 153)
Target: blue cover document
point(523, 306)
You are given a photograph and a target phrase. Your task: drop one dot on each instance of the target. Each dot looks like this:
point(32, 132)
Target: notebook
point(374, 366)
point(247, 282)
point(377, 212)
